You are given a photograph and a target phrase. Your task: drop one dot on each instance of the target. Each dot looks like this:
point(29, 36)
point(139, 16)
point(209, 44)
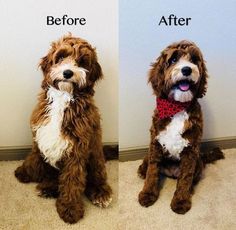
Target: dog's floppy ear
point(156, 74)
point(47, 61)
point(96, 72)
point(202, 88)
point(45, 64)
point(88, 60)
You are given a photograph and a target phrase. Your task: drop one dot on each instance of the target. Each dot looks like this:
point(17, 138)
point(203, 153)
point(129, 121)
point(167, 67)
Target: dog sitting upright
point(67, 155)
point(178, 78)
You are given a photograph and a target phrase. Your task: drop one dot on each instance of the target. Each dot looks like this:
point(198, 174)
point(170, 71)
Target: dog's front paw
point(21, 175)
point(180, 205)
point(147, 198)
point(100, 196)
point(70, 212)
point(102, 201)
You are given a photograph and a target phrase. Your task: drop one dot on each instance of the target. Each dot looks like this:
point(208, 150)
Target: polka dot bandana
point(168, 108)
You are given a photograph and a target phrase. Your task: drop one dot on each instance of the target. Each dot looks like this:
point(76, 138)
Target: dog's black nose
point(186, 71)
point(67, 73)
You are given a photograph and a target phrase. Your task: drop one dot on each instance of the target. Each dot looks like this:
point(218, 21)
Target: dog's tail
point(110, 152)
point(212, 156)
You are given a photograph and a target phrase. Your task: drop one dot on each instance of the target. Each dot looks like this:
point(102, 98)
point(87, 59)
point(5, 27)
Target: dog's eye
point(194, 59)
point(83, 61)
point(62, 54)
point(59, 59)
point(172, 60)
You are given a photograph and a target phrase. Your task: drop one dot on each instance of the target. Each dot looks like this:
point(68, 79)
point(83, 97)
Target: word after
point(173, 20)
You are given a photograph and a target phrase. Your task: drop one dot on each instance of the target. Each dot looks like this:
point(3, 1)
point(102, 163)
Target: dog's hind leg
point(49, 186)
point(142, 169)
point(33, 168)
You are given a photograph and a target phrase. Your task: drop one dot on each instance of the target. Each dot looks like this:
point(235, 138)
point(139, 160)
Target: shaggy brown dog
point(178, 78)
point(67, 155)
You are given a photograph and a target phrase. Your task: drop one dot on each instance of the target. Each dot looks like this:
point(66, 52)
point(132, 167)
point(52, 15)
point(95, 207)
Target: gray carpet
point(213, 204)
point(21, 208)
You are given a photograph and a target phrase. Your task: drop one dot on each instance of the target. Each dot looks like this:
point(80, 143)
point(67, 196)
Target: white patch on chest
point(48, 136)
point(171, 138)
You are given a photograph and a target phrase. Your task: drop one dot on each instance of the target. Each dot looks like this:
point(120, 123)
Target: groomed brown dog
point(67, 156)
point(178, 78)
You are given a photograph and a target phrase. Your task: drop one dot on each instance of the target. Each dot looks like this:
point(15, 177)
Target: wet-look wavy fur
point(67, 156)
point(178, 74)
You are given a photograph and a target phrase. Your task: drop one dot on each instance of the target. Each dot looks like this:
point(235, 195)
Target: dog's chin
point(65, 86)
point(181, 96)
point(181, 90)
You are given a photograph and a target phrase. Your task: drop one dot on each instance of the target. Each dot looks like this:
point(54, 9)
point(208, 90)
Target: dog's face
point(70, 64)
point(179, 73)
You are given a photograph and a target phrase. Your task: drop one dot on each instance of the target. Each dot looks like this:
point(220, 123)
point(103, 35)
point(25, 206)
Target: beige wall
point(142, 40)
point(25, 39)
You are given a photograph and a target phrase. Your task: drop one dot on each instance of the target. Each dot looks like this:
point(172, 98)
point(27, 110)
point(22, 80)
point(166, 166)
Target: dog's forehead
point(72, 40)
point(182, 49)
point(65, 46)
point(69, 42)
point(70, 47)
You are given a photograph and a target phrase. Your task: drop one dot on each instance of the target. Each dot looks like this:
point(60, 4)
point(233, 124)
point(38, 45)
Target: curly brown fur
point(212, 156)
point(169, 166)
point(186, 165)
point(67, 156)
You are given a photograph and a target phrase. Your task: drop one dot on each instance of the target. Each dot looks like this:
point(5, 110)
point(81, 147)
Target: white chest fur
point(171, 138)
point(48, 136)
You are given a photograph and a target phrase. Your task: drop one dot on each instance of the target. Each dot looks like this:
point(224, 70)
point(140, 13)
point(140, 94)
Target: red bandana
point(168, 108)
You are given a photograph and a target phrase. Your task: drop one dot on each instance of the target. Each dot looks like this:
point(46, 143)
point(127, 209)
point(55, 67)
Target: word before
point(65, 20)
point(173, 20)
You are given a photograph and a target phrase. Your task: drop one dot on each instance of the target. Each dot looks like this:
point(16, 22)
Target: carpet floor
point(213, 203)
point(21, 208)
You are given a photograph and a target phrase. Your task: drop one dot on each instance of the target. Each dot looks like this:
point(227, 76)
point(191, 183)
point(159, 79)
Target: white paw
point(101, 202)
